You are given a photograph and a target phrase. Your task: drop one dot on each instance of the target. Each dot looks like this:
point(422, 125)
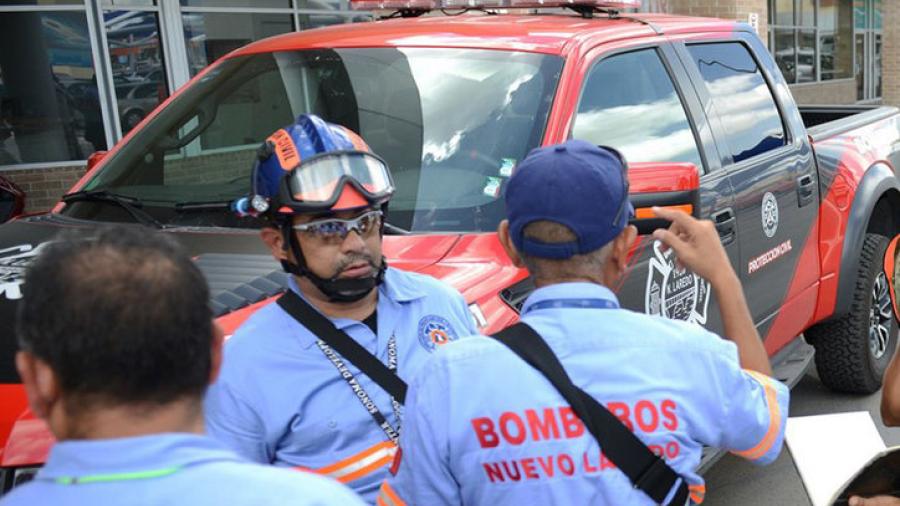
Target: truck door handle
point(725, 224)
point(806, 189)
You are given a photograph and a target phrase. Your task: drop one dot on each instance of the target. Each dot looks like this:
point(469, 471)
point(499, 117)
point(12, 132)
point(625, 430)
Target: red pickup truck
point(804, 198)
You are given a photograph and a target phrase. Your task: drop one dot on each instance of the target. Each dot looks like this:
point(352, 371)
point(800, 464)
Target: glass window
point(237, 3)
point(630, 103)
point(327, 5)
point(209, 36)
point(806, 56)
point(137, 64)
point(308, 21)
point(835, 39)
point(860, 14)
point(806, 13)
point(49, 107)
point(42, 2)
point(129, 3)
point(451, 123)
point(741, 97)
point(784, 53)
point(781, 12)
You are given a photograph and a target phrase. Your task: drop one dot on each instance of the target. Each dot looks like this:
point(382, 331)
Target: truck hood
point(233, 261)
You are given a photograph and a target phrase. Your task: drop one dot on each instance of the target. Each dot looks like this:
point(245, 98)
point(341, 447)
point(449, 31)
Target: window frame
point(665, 54)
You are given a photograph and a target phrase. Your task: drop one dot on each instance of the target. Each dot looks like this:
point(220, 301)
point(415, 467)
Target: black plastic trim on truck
point(844, 125)
point(876, 182)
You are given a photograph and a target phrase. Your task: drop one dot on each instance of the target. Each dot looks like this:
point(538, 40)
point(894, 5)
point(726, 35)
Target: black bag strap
point(352, 351)
point(647, 472)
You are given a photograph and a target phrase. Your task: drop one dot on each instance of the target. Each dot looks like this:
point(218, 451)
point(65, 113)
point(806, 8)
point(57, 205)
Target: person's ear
point(274, 239)
point(40, 382)
point(508, 246)
point(216, 352)
point(622, 247)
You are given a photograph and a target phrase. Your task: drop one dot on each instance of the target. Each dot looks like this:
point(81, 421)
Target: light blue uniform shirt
point(484, 427)
point(279, 400)
point(168, 469)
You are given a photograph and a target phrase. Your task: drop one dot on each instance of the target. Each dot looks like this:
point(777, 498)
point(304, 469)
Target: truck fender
point(875, 183)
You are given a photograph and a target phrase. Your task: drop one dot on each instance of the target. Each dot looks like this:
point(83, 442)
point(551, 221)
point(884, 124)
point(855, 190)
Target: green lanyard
point(113, 477)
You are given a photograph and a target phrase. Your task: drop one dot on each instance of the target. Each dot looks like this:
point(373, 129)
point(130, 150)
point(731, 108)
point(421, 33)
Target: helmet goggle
point(318, 182)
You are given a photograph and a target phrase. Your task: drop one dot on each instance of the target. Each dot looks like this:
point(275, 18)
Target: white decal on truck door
point(13, 262)
point(674, 293)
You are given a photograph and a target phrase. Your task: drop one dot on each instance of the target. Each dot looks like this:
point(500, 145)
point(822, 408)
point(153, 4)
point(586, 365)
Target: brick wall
point(725, 9)
point(891, 63)
point(44, 187)
point(841, 91)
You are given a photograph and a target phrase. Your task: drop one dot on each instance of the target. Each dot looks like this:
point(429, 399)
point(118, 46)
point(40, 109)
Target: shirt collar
point(132, 457)
point(396, 289)
point(577, 290)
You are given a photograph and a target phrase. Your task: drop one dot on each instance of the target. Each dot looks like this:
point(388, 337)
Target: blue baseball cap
point(576, 184)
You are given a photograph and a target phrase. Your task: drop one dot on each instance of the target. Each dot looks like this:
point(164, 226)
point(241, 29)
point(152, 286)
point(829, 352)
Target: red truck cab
point(453, 103)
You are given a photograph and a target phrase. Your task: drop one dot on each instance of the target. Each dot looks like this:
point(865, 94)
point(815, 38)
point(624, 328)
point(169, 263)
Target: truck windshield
point(451, 123)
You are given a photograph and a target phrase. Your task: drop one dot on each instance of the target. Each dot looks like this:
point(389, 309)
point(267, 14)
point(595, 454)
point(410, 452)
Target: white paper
point(829, 449)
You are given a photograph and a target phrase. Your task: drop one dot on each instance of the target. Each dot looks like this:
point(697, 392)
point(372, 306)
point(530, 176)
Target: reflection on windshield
point(451, 123)
point(648, 132)
point(629, 103)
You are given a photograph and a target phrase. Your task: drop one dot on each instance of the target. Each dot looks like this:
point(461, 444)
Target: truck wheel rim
point(880, 316)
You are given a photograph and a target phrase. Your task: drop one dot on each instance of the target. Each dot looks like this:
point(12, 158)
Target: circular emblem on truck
point(769, 214)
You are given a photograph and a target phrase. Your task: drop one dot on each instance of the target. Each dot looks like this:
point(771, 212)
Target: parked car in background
point(136, 100)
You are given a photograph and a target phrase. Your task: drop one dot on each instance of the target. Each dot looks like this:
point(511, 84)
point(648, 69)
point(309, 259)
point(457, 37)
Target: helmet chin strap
point(335, 288)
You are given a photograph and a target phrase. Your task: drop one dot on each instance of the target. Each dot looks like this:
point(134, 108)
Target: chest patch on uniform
point(680, 295)
point(435, 331)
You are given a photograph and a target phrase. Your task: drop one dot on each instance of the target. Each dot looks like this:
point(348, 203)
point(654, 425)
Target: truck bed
point(824, 121)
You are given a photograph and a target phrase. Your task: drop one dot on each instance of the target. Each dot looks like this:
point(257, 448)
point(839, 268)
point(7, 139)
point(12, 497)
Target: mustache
point(354, 258)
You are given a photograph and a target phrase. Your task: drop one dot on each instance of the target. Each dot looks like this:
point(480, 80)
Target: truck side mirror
point(12, 200)
point(674, 185)
point(94, 159)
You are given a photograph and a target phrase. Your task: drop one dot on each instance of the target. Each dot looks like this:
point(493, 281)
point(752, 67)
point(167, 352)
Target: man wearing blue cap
point(485, 427)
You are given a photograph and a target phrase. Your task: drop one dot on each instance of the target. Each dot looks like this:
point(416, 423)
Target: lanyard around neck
point(392, 433)
point(579, 303)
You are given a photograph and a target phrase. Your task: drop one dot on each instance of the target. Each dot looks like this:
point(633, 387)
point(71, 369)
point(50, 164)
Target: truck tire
point(853, 351)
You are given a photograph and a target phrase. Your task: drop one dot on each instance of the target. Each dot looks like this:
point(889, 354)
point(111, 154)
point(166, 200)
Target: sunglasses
point(623, 204)
point(337, 229)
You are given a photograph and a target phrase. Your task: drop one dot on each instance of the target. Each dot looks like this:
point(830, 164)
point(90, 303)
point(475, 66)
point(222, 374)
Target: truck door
point(630, 99)
point(773, 175)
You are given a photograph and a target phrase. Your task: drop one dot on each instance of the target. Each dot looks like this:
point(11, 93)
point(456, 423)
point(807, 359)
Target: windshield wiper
point(129, 204)
point(215, 205)
point(395, 230)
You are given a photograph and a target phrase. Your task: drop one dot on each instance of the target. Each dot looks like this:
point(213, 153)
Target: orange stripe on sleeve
point(390, 496)
point(774, 419)
point(698, 493)
point(354, 458)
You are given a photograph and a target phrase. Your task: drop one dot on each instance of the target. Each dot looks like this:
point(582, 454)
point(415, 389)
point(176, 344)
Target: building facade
point(77, 75)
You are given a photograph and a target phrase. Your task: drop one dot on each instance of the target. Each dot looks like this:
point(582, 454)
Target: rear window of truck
point(741, 98)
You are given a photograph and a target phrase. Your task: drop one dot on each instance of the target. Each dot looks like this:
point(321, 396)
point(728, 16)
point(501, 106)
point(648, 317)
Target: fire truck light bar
point(427, 5)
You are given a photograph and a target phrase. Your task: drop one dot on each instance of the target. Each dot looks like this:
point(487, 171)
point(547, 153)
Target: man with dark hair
point(117, 349)
point(316, 380)
point(513, 437)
